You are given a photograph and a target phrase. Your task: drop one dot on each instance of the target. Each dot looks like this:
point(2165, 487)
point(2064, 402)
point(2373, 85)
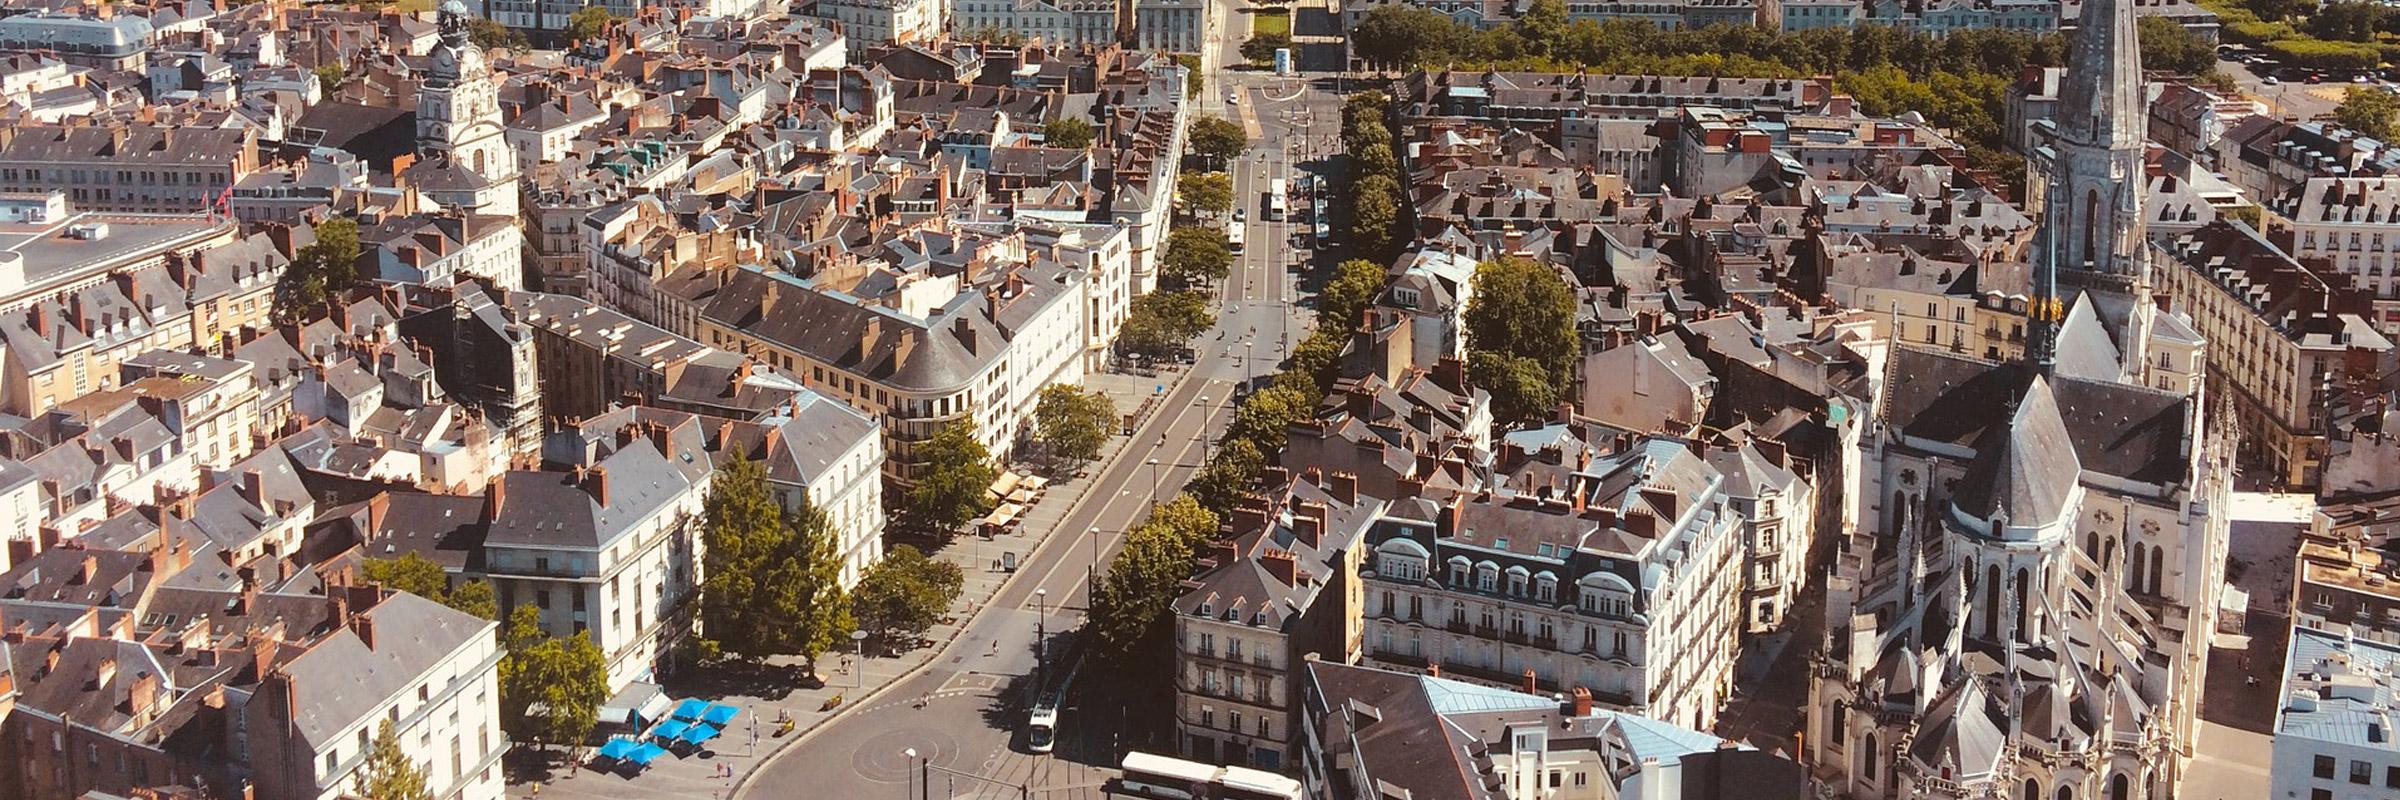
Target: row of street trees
point(1374, 178)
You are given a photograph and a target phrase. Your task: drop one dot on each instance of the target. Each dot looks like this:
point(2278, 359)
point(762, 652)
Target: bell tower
point(2088, 193)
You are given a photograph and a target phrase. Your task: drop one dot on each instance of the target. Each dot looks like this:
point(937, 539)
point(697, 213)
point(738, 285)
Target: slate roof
point(2025, 468)
point(2117, 429)
point(549, 509)
point(342, 679)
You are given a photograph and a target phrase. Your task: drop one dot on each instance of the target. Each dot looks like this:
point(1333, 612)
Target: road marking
point(1169, 424)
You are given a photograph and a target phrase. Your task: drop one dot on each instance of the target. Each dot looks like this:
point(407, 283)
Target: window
point(2323, 767)
point(541, 598)
point(2362, 773)
point(2391, 777)
point(1487, 578)
point(2320, 794)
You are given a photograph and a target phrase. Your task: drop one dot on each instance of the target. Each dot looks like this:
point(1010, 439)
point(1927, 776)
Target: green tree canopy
point(1132, 610)
point(1196, 255)
point(568, 678)
point(587, 22)
point(420, 576)
point(2168, 45)
point(1522, 320)
point(330, 76)
point(323, 268)
point(1344, 301)
point(1314, 361)
point(773, 579)
point(2368, 111)
point(2338, 20)
point(1260, 48)
point(1206, 192)
point(1374, 214)
point(1226, 479)
point(389, 774)
point(905, 593)
point(1218, 139)
point(1162, 321)
point(1265, 414)
point(1072, 133)
point(1520, 389)
point(957, 473)
point(1074, 421)
point(491, 35)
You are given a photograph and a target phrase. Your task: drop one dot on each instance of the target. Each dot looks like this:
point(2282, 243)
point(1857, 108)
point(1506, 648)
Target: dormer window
point(1487, 578)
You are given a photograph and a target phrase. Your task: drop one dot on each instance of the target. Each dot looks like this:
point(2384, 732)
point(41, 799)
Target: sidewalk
point(749, 742)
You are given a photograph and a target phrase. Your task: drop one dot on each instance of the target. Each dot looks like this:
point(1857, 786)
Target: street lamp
point(858, 674)
point(1154, 483)
point(1041, 639)
point(906, 788)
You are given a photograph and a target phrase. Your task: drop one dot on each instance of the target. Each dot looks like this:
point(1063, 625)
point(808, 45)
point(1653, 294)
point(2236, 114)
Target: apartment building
point(2278, 330)
point(978, 348)
point(869, 23)
point(2353, 226)
point(101, 41)
point(1280, 591)
point(611, 547)
point(128, 168)
point(2342, 582)
point(1606, 581)
point(2332, 731)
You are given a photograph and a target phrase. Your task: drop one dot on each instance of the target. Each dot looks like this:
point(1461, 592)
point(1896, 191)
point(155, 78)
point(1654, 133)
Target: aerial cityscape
point(1199, 399)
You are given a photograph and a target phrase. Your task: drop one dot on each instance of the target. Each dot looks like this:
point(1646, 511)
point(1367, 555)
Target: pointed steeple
point(2100, 97)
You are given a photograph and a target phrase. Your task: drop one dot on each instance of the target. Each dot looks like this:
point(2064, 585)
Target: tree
point(1218, 139)
point(742, 525)
point(2340, 20)
point(1265, 415)
point(1193, 81)
point(587, 22)
point(1374, 158)
point(1184, 516)
point(1523, 308)
point(567, 677)
point(488, 35)
point(2368, 111)
point(329, 76)
point(1133, 606)
point(1314, 359)
point(904, 594)
point(575, 683)
point(420, 576)
point(1206, 192)
point(1374, 212)
point(1260, 49)
point(773, 583)
point(2168, 45)
point(1072, 133)
point(325, 267)
point(808, 580)
point(389, 774)
point(1074, 422)
point(1345, 298)
point(1196, 255)
point(1227, 477)
point(1160, 322)
point(1521, 390)
point(957, 472)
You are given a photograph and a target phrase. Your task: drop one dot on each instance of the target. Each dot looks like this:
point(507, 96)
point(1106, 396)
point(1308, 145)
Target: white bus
point(1234, 235)
point(1275, 200)
point(1176, 779)
point(1041, 730)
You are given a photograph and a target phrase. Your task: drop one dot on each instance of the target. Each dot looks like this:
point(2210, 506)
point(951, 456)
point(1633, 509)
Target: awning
point(1007, 482)
point(720, 714)
point(690, 709)
point(668, 729)
point(1005, 514)
point(635, 705)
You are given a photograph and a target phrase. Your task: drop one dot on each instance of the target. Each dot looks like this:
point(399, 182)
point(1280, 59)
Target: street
point(963, 710)
point(2302, 100)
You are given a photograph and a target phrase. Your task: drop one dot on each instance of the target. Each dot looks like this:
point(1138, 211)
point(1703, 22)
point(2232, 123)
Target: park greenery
point(1218, 141)
point(957, 472)
point(422, 577)
point(1073, 421)
point(2342, 37)
point(773, 585)
point(489, 35)
point(904, 594)
point(567, 678)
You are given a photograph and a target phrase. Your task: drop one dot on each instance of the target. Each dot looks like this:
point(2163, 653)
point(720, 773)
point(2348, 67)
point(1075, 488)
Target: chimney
point(1344, 487)
point(1282, 565)
point(364, 626)
point(1225, 551)
point(252, 489)
point(1308, 528)
point(107, 672)
point(1433, 669)
point(1531, 686)
point(1411, 487)
point(1454, 517)
point(1583, 702)
point(143, 693)
point(494, 496)
point(596, 482)
point(1275, 478)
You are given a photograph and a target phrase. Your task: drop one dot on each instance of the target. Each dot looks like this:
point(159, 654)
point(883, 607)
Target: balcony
point(1457, 626)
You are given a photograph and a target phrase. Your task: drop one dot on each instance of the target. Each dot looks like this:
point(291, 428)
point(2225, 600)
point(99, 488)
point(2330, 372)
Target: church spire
point(2100, 98)
point(2090, 189)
